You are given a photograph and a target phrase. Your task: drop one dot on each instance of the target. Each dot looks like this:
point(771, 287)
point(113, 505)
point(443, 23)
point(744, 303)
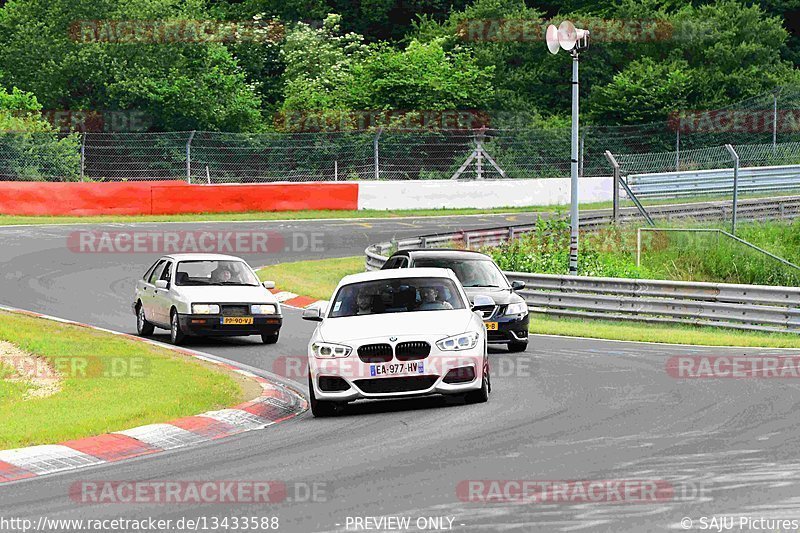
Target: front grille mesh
point(375, 353)
point(412, 350)
point(235, 310)
point(402, 384)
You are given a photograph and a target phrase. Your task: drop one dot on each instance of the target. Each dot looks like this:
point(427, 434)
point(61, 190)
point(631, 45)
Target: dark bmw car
point(507, 321)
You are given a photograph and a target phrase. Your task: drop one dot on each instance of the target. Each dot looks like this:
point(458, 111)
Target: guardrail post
point(423, 242)
point(735, 157)
point(189, 157)
point(615, 186)
point(511, 233)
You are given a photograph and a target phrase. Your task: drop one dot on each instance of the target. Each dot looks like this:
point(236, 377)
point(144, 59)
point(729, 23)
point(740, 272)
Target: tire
point(176, 336)
point(143, 327)
point(516, 347)
point(271, 338)
point(481, 395)
point(320, 408)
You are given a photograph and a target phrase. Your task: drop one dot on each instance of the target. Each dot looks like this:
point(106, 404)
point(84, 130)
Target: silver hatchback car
point(205, 295)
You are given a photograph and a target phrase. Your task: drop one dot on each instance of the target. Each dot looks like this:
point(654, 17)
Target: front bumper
point(355, 379)
point(211, 326)
point(513, 328)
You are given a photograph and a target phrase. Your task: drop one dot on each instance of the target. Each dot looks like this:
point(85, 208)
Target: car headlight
point(262, 309)
point(329, 350)
point(465, 341)
point(205, 309)
point(517, 309)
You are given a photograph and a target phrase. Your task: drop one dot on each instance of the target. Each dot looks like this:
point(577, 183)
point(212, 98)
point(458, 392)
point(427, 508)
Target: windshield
point(222, 272)
point(397, 295)
point(470, 272)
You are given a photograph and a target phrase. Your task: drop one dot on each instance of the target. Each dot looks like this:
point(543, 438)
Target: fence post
point(678, 150)
point(580, 148)
point(189, 157)
point(774, 120)
point(615, 186)
point(377, 155)
point(83, 155)
point(735, 158)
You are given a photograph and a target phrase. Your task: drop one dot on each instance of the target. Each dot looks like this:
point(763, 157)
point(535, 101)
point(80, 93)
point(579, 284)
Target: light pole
point(573, 40)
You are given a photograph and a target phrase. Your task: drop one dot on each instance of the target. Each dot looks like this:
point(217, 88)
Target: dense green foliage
point(611, 252)
point(393, 54)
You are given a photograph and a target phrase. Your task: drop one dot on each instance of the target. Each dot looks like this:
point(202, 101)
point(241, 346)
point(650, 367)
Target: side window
point(402, 262)
point(149, 272)
point(166, 275)
point(391, 263)
point(156, 272)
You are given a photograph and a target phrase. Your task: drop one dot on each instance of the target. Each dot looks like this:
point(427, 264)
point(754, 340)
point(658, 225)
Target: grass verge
point(13, 220)
point(108, 383)
point(318, 279)
point(677, 334)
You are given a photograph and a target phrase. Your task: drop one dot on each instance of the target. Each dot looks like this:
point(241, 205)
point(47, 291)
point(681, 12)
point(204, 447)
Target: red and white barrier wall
point(177, 197)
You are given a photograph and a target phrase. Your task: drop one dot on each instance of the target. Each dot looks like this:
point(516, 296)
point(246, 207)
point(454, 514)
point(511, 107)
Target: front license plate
point(416, 367)
point(491, 326)
point(236, 320)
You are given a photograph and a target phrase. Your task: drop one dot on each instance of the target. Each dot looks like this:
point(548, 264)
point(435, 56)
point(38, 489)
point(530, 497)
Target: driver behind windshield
point(430, 300)
point(221, 275)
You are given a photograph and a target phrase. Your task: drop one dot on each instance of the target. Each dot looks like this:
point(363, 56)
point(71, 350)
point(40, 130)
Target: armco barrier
point(169, 198)
point(714, 182)
point(747, 307)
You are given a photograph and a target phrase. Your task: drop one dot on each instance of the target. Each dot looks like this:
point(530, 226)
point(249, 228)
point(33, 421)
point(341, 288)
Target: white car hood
point(231, 294)
point(418, 323)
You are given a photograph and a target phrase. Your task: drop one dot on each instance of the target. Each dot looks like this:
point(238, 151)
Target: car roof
point(445, 254)
point(374, 275)
point(202, 257)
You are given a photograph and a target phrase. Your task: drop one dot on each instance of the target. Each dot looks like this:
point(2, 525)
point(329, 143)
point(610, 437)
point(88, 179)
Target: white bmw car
point(205, 295)
point(394, 334)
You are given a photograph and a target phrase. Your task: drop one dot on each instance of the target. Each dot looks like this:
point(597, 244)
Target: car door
point(162, 301)
point(148, 287)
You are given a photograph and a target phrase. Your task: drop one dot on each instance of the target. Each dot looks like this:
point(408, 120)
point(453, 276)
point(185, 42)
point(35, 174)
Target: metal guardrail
point(746, 307)
point(707, 182)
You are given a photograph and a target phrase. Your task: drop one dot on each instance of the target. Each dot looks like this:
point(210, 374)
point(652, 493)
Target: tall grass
point(611, 252)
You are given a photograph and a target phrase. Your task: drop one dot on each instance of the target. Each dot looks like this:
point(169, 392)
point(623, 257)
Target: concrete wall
point(435, 194)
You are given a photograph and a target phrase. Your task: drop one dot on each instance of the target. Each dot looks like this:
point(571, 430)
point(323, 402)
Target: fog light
point(463, 374)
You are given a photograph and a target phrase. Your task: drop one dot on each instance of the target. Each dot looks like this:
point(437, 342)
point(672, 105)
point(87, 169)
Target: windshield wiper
point(495, 286)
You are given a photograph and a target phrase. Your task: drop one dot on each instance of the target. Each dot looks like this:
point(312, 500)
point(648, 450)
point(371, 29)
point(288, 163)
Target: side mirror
point(162, 284)
point(314, 314)
point(517, 285)
point(268, 284)
point(481, 300)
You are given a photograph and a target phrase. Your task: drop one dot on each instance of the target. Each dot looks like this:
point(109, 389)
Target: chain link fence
point(765, 131)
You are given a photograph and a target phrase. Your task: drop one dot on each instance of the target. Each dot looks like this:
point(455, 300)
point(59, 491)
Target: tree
point(69, 64)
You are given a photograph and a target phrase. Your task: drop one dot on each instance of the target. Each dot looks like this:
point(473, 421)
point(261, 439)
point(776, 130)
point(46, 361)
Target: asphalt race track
point(567, 409)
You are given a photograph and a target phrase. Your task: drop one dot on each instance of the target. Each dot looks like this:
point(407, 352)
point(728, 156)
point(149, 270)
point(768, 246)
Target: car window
point(156, 272)
point(402, 262)
point(396, 295)
point(470, 272)
point(166, 274)
point(149, 272)
point(214, 272)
